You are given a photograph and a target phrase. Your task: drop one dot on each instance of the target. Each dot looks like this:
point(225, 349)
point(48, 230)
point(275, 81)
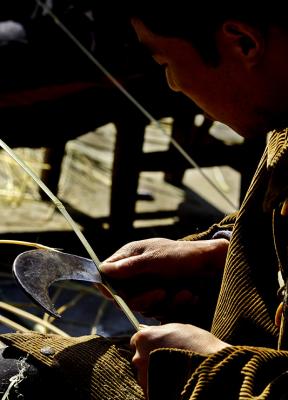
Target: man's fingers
point(102, 289)
point(124, 267)
point(185, 297)
point(157, 303)
point(141, 366)
point(142, 302)
point(115, 257)
point(129, 250)
point(147, 300)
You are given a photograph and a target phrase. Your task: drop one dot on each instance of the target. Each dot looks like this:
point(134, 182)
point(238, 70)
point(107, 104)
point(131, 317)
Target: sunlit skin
point(174, 335)
point(242, 91)
point(145, 271)
point(245, 90)
point(154, 258)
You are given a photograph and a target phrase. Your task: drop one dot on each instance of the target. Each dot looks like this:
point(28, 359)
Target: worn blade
point(36, 270)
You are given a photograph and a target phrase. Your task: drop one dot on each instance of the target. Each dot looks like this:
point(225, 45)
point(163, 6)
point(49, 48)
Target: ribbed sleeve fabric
point(236, 372)
point(99, 367)
point(226, 224)
point(244, 317)
point(250, 272)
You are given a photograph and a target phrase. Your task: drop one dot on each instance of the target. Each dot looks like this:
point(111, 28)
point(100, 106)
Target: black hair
point(198, 21)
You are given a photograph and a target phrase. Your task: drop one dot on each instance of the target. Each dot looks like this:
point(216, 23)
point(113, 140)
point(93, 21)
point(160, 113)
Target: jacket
point(256, 365)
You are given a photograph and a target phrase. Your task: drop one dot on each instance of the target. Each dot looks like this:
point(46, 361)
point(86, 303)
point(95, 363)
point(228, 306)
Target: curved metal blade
point(36, 270)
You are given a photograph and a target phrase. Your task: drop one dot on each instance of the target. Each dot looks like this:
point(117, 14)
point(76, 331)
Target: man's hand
point(178, 336)
point(158, 276)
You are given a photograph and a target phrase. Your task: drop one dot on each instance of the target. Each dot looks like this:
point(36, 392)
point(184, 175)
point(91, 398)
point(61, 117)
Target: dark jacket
point(249, 297)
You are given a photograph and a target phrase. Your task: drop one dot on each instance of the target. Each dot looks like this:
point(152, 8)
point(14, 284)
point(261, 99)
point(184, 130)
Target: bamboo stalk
point(31, 317)
point(11, 324)
point(121, 303)
point(28, 244)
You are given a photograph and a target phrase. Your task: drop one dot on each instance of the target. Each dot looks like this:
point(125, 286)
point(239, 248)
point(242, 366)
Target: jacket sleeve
point(226, 224)
point(236, 372)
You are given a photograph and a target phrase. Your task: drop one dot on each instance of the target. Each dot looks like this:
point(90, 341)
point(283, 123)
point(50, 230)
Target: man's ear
point(244, 40)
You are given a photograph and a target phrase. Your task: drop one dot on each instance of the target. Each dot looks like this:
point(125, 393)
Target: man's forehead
point(146, 38)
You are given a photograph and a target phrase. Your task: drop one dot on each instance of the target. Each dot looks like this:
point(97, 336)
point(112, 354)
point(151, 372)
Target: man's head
point(231, 62)
point(199, 21)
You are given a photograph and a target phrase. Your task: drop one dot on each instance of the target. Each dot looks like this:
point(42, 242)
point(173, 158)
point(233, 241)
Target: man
point(233, 65)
